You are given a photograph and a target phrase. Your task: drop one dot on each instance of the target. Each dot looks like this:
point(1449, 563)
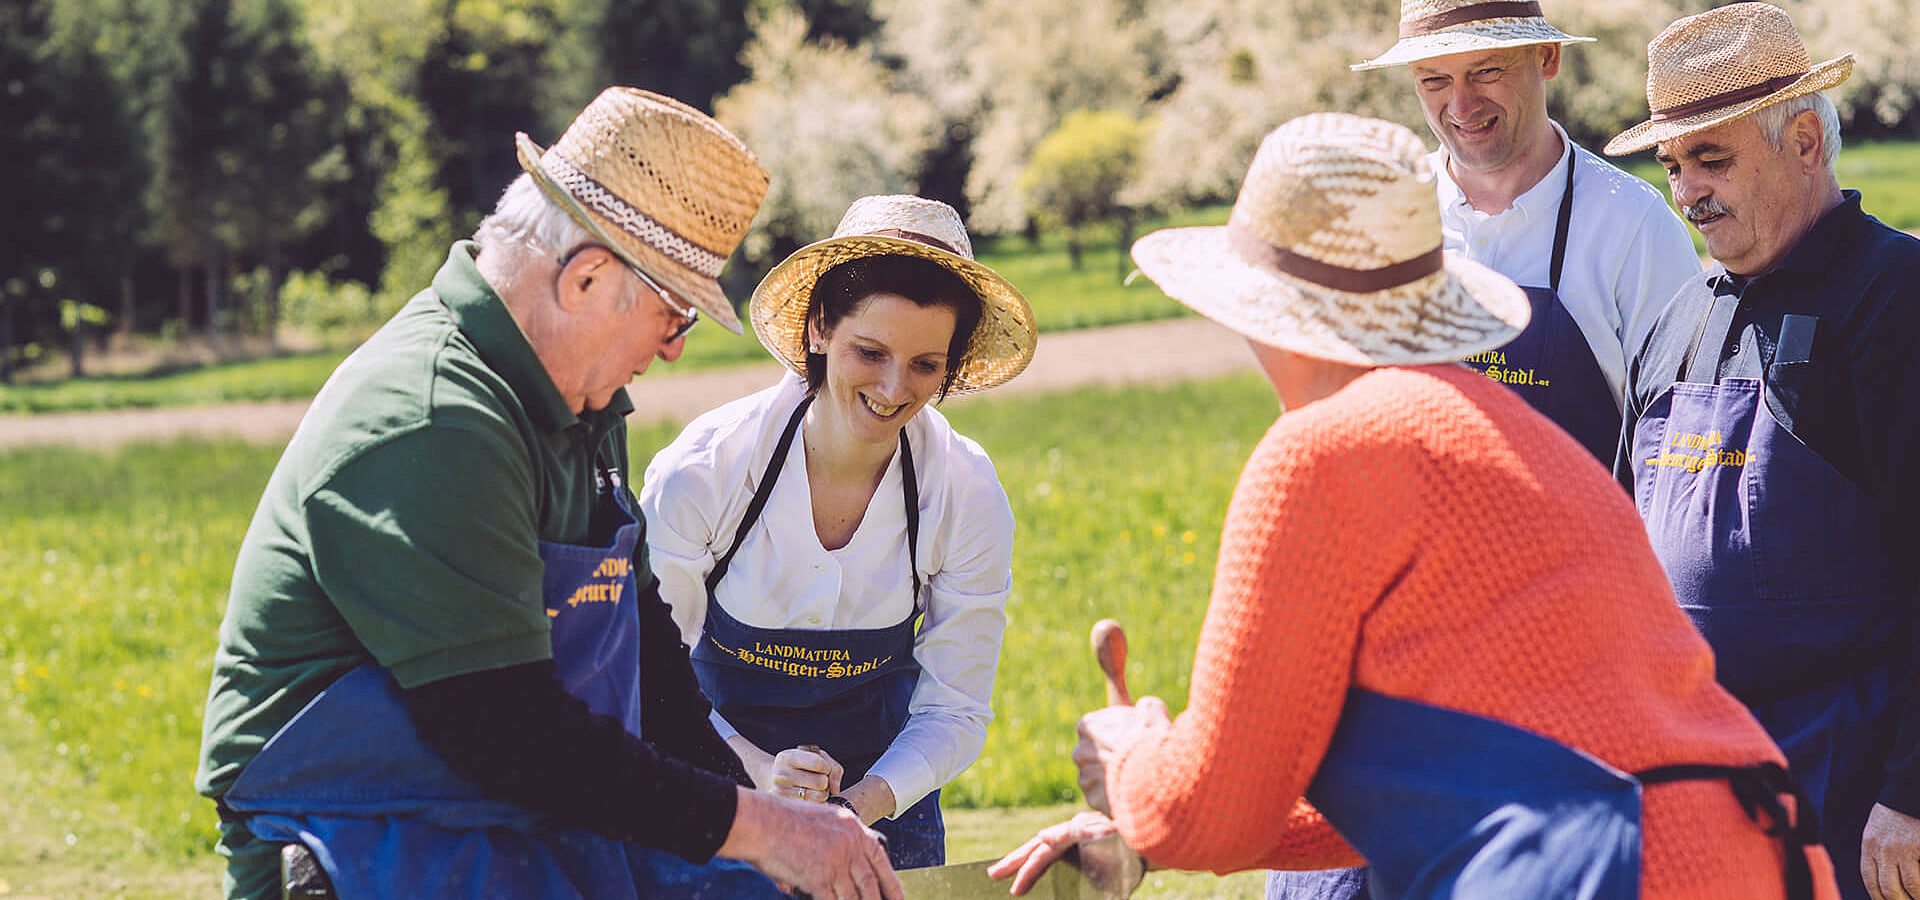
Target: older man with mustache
point(1773, 421)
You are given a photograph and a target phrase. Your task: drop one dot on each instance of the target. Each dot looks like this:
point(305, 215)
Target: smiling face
point(884, 361)
point(1750, 200)
point(1489, 107)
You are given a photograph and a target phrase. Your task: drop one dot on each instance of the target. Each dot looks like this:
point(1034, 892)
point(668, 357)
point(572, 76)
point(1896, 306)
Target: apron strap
point(1758, 788)
point(1716, 322)
point(909, 488)
point(1560, 229)
point(762, 492)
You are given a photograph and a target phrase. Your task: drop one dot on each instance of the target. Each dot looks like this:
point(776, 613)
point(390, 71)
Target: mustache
point(1705, 209)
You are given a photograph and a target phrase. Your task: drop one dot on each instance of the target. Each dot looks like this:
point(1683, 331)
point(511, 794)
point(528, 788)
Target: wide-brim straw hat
point(1002, 344)
point(658, 182)
point(1430, 28)
point(1334, 251)
point(1722, 64)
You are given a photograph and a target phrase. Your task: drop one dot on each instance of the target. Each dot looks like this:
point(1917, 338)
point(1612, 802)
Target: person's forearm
point(757, 762)
point(872, 799)
point(519, 736)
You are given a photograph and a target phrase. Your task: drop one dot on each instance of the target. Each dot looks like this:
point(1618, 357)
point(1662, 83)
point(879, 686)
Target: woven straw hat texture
point(1712, 68)
point(1430, 28)
point(1354, 196)
point(660, 183)
point(1003, 343)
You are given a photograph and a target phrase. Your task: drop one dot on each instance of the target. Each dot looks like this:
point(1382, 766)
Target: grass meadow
point(114, 569)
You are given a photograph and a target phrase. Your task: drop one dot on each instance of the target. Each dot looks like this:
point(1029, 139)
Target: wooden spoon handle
point(1110, 648)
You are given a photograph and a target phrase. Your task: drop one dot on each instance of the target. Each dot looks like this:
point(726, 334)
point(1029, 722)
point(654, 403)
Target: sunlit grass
point(114, 569)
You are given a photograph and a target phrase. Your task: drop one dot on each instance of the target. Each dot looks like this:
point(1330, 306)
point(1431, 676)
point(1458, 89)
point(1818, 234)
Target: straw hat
point(1715, 67)
point(1430, 28)
point(1003, 343)
point(660, 184)
point(1333, 251)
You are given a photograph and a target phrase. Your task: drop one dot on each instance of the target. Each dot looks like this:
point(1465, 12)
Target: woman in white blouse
point(837, 556)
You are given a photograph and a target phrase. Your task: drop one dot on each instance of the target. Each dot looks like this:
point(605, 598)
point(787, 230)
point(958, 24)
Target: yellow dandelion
point(144, 691)
point(1186, 537)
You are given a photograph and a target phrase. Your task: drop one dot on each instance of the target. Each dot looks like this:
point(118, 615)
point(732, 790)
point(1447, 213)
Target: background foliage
point(191, 167)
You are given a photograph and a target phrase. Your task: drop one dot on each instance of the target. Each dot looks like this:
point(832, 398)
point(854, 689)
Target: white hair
point(1773, 120)
point(525, 218)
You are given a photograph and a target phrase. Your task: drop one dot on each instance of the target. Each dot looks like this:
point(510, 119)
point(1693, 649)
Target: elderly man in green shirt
point(445, 670)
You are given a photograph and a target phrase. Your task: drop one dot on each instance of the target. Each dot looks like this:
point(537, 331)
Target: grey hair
point(526, 218)
point(1773, 120)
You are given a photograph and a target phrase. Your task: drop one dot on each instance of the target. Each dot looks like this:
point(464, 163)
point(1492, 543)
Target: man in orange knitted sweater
point(1438, 641)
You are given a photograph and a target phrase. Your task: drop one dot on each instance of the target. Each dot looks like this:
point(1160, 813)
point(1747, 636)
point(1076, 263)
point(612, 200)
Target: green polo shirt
point(403, 522)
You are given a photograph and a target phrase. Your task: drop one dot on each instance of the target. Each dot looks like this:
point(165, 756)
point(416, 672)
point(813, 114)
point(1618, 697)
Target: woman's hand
point(1030, 860)
point(1105, 735)
point(805, 772)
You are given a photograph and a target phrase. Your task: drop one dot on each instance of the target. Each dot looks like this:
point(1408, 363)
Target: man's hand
point(1030, 860)
point(804, 773)
point(813, 847)
point(1105, 735)
point(1890, 855)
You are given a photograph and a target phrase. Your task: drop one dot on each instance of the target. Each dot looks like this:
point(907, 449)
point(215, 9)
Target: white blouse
point(697, 490)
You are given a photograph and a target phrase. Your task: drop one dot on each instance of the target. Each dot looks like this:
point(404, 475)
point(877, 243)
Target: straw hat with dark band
point(660, 183)
point(1003, 343)
point(1333, 251)
point(1430, 28)
point(1722, 64)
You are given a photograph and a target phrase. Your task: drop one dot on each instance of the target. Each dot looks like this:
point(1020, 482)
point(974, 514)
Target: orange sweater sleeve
point(1323, 520)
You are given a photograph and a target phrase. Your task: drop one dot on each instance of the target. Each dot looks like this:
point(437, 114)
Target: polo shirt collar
point(1816, 248)
point(483, 317)
point(1814, 252)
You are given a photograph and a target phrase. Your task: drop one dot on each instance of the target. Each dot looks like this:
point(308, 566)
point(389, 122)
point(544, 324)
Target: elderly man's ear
point(1805, 138)
point(591, 274)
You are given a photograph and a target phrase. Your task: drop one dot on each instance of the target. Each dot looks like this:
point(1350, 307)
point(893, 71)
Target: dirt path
point(1171, 350)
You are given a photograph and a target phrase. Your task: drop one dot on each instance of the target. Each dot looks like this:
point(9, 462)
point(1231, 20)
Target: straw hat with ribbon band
point(1333, 251)
point(1002, 344)
point(1709, 69)
point(1430, 28)
point(660, 184)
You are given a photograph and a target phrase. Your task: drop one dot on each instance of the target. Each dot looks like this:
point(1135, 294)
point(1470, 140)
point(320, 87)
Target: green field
point(1063, 298)
point(114, 569)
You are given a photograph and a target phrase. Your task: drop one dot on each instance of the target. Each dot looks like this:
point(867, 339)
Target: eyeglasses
point(688, 315)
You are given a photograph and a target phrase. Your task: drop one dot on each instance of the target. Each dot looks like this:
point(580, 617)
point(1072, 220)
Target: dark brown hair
point(841, 290)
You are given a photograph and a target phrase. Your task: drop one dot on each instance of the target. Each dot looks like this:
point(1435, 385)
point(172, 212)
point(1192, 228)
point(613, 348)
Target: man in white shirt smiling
point(1598, 250)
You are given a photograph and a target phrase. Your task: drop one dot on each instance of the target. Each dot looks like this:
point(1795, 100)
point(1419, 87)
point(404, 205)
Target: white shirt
point(1627, 253)
point(697, 491)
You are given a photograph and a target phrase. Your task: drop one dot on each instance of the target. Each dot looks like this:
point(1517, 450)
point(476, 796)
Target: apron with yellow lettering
point(386, 816)
point(1551, 365)
point(1786, 569)
point(846, 690)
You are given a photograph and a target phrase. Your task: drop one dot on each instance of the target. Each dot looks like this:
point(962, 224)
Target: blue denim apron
point(385, 815)
point(1445, 804)
point(1785, 568)
point(1552, 365)
point(844, 690)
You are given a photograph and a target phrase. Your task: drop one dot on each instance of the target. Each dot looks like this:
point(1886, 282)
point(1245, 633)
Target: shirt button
point(813, 620)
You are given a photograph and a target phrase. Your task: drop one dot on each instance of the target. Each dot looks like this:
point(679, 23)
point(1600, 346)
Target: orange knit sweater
point(1424, 534)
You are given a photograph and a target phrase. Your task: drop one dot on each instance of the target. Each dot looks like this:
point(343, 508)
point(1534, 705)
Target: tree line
point(214, 168)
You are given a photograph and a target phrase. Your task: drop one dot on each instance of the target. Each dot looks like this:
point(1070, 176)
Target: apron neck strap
point(762, 492)
point(1566, 218)
point(909, 488)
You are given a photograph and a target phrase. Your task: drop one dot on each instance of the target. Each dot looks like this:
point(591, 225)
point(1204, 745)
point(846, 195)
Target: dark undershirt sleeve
point(522, 738)
point(673, 712)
